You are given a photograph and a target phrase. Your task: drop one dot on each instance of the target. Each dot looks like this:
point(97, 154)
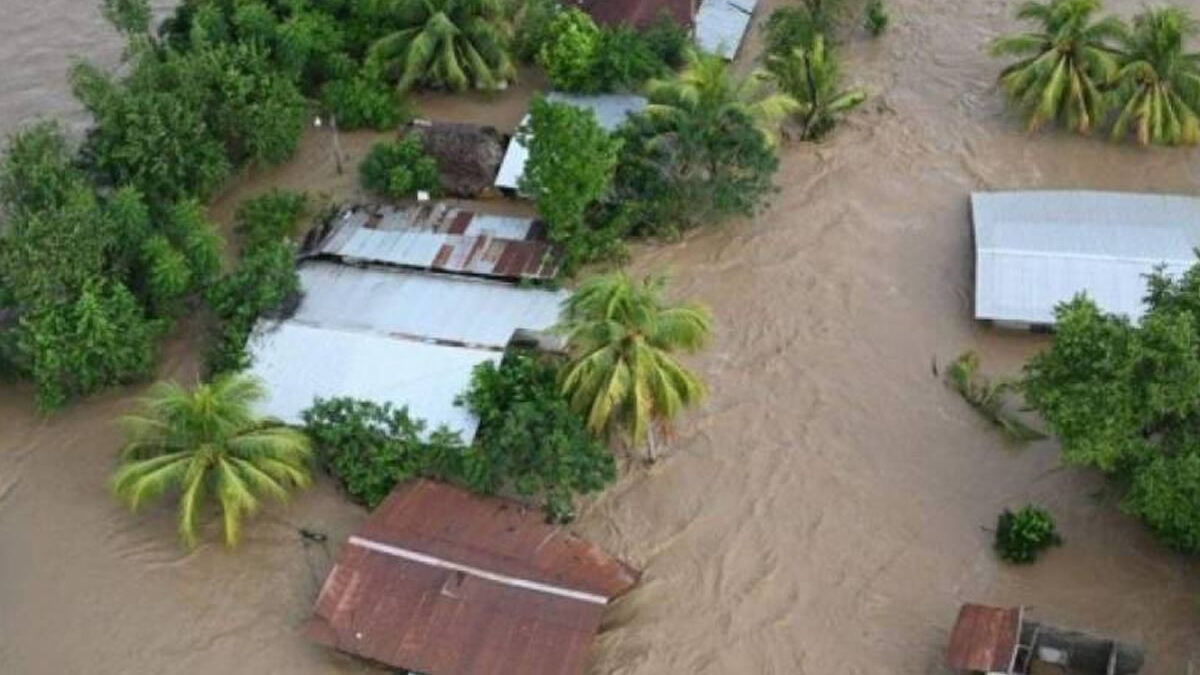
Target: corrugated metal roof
point(443, 238)
point(984, 639)
point(721, 25)
point(610, 111)
point(298, 363)
point(447, 583)
point(465, 311)
point(1036, 249)
point(637, 13)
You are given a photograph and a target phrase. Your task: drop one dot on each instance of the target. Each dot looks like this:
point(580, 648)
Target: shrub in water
point(877, 18)
point(1022, 535)
point(399, 169)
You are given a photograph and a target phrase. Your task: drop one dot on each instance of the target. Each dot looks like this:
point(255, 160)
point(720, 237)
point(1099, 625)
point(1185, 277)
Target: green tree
point(448, 44)
point(1158, 86)
point(811, 76)
point(208, 445)
point(570, 167)
point(1063, 66)
point(399, 169)
point(622, 374)
point(264, 281)
point(569, 53)
point(38, 171)
point(130, 17)
point(1125, 399)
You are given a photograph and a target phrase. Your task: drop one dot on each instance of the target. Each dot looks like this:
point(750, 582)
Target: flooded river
point(824, 514)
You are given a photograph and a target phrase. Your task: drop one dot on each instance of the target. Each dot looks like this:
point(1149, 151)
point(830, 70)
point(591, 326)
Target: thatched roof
point(467, 155)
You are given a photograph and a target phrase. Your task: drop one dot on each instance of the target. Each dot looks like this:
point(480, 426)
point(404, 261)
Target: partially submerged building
point(443, 582)
point(467, 155)
point(1036, 249)
point(380, 326)
point(610, 111)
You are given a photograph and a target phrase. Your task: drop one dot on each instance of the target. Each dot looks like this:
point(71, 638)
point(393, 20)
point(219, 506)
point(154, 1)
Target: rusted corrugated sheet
point(984, 638)
point(447, 583)
point(637, 13)
point(443, 238)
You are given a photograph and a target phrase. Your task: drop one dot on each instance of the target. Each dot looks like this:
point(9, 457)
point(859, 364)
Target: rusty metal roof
point(448, 583)
point(637, 13)
point(444, 238)
point(984, 638)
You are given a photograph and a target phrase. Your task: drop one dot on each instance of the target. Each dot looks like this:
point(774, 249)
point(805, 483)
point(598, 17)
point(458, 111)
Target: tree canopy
point(1158, 85)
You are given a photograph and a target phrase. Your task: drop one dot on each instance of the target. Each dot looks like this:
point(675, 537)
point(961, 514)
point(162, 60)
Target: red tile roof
point(984, 638)
point(447, 583)
point(637, 13)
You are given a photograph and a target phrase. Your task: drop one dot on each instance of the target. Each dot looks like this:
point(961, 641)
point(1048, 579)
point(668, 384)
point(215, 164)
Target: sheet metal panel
point(984, 639)
point(721, 25)
point(465, 311)
point(298, 363)
point(610, 111)
point(1034, 250)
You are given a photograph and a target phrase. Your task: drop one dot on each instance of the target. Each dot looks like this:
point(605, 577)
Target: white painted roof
point(299, 363)
point(610, 111)
point(470, 312)
point(721, 25)
point(1036, 249)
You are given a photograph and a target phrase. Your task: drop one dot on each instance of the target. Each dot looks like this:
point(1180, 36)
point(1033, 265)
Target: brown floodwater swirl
point(824, 513)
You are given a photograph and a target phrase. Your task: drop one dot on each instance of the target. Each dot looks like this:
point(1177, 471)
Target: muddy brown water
point(825, 512)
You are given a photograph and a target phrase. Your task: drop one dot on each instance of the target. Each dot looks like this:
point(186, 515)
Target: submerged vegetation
point(399, 169)
point(1022, 535)
point(991, 399)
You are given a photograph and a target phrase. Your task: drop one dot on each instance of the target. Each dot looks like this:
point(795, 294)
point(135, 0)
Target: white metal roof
point(299, 363)
point(465, 311)
point(610, 111)
point(1036, 249)
point(721, 25)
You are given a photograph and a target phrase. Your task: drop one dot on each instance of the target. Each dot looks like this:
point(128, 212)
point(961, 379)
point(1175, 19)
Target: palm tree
point(1158, 86)
point(206, 443)
point(811, 76)
point(707, 87)
point(1063, 66)
point(445, 43)
point(620, 337)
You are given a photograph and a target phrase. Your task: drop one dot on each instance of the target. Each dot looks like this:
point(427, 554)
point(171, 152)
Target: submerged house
point(399, 323)
point(443, 582)
point(1036, 249)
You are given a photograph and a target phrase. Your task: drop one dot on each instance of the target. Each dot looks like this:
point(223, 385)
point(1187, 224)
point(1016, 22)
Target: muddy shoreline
point(824, 513)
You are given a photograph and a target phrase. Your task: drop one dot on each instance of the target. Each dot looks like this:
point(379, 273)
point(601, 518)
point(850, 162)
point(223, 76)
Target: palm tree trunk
point(651, 446)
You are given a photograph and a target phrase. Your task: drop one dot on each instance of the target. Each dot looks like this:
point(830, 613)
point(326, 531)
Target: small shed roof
point(467, 155)
point(454, 310)
point(984, 639)
point(298, 363)
point(637, 13)
point(448, 583)
point(721, 25)
point(610, 111)
point(1036, 249)
point(443, 238)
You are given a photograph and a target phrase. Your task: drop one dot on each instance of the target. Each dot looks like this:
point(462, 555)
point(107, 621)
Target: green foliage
point(529, 438)
point(1158, 85)
point(1022, 535)
point(570, 53)
point(206, 445)
point(38, 171)
point(442, 44)
point(270, 217)
point(570, 167)
point(264, 282)
point(669, 41)
point(876, 21)
point(1125, 399)
point(580, 56)
point(398, 169)
point(989, 398)
point(788, 28)
point(370, 447)
point(363, 102)
point(1060, 68)
point(812, 77)
point(621, 338)
point(533, 22)
point(77, 347)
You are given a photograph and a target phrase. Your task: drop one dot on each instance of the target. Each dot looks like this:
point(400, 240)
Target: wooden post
point(337, 145)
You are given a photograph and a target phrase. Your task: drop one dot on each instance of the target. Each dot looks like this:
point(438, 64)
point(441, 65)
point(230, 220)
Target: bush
point(570, 54)
point(363, 102)
point(399, 169)
point(668, 40)
point(533, 27)
point(579, 56)
point(369, 447)
point(624, 60)
point(528, 437)
point(270, 217)
point(877, 18)
point(1021, 536)
point(265, 281)
point(788, 28)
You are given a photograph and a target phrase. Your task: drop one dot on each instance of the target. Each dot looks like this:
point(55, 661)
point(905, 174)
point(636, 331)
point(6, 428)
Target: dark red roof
point(984, 638)
point(447, 583)
point(637, 13)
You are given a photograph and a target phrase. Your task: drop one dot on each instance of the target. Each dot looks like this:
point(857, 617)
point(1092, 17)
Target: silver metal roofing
point(299, 363)
point(470, 312)
point(444, 238)
point(610, 111)
point(1036, 249)
point(721, 25)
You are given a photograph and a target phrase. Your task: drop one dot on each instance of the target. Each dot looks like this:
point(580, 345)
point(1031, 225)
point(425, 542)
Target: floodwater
point(825, 513)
